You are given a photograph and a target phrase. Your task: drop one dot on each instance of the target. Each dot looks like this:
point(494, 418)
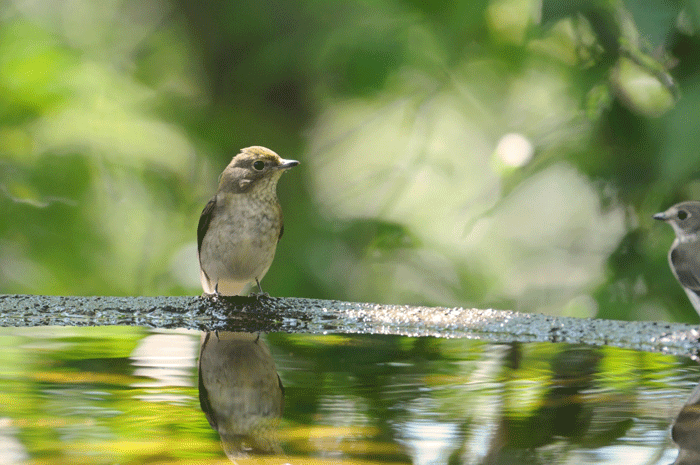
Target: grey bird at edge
point(240, 226)
point(684, 256)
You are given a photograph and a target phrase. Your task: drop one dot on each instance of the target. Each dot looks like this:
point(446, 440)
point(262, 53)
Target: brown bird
point(239, 228)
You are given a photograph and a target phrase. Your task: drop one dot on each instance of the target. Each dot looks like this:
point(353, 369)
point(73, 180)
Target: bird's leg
point(261, 294)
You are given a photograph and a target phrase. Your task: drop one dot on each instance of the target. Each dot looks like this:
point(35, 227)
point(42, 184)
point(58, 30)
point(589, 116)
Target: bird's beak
point(660, 216)
point(286, 164)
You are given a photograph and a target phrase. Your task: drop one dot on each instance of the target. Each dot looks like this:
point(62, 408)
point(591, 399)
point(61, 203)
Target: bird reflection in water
point(240, 392)
point(686, 431)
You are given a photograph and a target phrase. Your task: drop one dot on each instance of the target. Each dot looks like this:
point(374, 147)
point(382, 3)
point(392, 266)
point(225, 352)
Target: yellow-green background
point(116, 118)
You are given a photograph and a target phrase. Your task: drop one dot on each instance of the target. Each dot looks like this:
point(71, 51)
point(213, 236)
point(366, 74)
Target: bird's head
point(684, 217)
point(254, 167)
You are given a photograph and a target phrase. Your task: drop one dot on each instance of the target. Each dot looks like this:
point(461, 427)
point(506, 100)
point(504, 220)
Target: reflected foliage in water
point(116, 394)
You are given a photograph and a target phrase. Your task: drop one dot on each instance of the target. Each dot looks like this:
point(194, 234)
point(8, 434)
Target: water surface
point(135, 395)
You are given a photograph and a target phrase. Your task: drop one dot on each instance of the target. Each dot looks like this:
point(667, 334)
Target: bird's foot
point(213, 296)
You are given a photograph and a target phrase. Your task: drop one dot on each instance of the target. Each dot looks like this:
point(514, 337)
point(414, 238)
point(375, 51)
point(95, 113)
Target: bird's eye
point(682, 214)
point(259, 165)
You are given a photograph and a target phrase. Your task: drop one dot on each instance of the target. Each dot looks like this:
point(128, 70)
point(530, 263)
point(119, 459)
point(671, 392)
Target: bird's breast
point(242, 237)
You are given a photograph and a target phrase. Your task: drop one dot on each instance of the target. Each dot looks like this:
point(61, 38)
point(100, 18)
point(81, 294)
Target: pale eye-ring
point(259, 165)
point(682, 214)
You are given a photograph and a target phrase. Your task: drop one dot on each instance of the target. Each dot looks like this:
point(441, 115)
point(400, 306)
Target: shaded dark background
point(503, 154)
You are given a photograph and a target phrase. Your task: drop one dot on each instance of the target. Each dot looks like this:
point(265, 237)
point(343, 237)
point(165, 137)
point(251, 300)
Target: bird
point(240, 226)
point(684, 255)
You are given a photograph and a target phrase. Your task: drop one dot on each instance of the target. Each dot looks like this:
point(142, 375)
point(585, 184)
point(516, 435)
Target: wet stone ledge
point(298, 315)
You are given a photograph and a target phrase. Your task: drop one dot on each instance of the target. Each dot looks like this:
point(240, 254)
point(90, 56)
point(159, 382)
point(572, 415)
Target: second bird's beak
point(660, 216)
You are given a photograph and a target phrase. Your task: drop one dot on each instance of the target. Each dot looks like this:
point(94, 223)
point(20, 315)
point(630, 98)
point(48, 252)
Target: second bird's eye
point(682, 215)
point(259, 165)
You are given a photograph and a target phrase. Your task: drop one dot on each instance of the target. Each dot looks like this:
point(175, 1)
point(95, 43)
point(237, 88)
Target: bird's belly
point(237, 255)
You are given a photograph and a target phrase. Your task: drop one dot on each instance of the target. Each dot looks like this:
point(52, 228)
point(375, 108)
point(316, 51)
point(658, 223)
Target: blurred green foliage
point(116, 120)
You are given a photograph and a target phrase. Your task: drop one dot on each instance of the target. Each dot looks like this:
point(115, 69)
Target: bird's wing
point(685, 259)
point(204, 221)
